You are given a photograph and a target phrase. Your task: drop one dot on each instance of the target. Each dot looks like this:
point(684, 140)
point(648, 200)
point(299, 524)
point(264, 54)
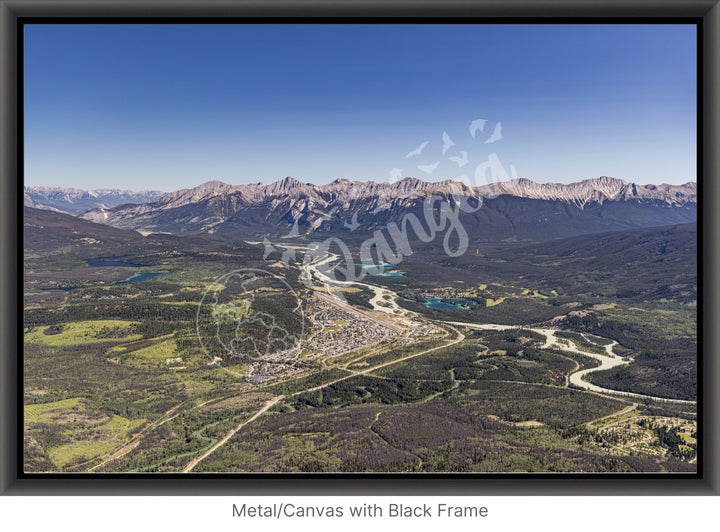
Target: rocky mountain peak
point(213, 185)
point(285, 185)
point(343, 181)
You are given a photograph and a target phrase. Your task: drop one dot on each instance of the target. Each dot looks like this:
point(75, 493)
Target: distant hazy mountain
point(518, 209)
point(74, 201)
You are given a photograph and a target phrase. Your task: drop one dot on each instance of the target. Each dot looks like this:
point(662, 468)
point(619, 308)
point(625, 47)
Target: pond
point(100, 262)
point(117, 261)
point(382, 269)
point(376, 265)
point(438, 304)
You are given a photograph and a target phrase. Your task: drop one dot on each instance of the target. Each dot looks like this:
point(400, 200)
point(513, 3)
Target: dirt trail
point(614, 414)
point(230, 434)
point(275, 400)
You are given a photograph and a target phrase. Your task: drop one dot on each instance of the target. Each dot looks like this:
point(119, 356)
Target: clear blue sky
point(171, 106)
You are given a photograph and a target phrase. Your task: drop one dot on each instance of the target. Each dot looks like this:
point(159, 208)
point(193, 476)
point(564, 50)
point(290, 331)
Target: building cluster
point(335, 331)
point(418, 329)
point(262, 371)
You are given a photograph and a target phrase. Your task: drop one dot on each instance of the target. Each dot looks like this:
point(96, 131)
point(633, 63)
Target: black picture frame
point(14, 13)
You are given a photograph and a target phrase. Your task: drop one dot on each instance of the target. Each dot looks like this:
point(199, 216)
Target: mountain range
point(74, 201)
point(517, 210)
point(514, 210)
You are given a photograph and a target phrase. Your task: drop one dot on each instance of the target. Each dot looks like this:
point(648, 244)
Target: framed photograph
point(360, 247)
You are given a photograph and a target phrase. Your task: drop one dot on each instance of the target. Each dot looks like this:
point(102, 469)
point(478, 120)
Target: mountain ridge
point(519, 209)
point(596, 190)
point(77, 201)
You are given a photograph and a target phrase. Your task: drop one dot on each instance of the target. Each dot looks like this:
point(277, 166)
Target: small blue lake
point(381, 268)
point(100, 262)
point(376, 265)
point(438, 304)
point(118, 261)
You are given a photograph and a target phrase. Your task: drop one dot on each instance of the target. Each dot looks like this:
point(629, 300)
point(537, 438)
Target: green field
point(83, 332)
point(104, 438)
point(47, 411)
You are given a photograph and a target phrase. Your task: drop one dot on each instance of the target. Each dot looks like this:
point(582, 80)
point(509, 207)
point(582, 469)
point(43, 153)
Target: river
point(609, 360)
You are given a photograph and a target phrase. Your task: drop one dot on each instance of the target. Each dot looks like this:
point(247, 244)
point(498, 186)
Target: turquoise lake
point(438, 304)
point(384, 266)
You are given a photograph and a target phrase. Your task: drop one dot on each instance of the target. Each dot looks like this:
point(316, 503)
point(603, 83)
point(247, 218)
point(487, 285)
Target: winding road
point(609, 360)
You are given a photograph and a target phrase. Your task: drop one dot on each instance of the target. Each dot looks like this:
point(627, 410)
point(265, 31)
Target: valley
point(566, 354)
